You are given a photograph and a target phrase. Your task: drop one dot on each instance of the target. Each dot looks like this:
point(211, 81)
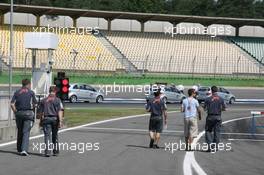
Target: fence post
point(25, 64)
point(193, 66)
point(1, 66)
point(170, 64)
point(260, 66)
point(146, 62)
point(143, 71)
point(215, 65)
point(238, 64)
point(98, 64)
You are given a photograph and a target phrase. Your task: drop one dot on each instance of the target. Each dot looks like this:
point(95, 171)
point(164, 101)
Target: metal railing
point(255, 123)
point(195, 65)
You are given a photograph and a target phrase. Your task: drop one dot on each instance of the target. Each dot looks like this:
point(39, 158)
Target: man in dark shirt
point(51, 115)
point(23, 104)
point(157, 108)
point(214, 105)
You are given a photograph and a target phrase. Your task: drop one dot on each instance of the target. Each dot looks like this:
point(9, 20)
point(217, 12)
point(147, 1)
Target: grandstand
point(252, 45)
point(182, 53)
point(92, 54)
point(153, 52)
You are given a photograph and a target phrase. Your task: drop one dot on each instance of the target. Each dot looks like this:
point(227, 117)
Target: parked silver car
point(84, 92)
point(170, 94)
point(204, 92)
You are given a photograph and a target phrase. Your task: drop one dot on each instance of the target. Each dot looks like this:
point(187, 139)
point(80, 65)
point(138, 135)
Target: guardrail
point(254, 126)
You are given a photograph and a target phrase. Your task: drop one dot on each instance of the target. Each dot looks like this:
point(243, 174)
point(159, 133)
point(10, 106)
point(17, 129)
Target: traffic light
point(65, 88)
point(62, 83)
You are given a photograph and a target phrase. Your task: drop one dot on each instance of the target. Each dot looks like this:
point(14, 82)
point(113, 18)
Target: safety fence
point(239, 67)
point(257, 121)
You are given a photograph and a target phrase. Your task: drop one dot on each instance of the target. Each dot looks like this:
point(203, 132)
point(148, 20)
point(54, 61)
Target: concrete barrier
point(4, 108)
point(8, 133)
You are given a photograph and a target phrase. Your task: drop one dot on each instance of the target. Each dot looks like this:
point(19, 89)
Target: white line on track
point(81, 126)
point(246, 140)
point(242, 134)
point(136, 130)
point(189, 159)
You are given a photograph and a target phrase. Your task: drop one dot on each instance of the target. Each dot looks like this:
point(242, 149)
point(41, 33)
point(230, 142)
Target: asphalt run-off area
point(120, 146)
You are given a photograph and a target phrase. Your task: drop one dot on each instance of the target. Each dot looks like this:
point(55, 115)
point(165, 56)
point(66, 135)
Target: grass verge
point(147, 79)
point(75, 117)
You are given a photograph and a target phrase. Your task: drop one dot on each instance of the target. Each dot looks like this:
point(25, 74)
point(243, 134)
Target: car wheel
point(232, 100)
point(99, 99)
point(73, 99)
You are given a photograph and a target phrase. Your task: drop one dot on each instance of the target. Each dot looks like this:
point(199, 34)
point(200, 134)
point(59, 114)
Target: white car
point(205, 92)
point(170, 95)
point(84, 92)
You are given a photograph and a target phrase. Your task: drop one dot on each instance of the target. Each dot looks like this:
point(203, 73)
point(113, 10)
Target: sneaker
point(151, 143)
point(47, 155)
point(55, 153)
point(24, 153)
point(156, 146)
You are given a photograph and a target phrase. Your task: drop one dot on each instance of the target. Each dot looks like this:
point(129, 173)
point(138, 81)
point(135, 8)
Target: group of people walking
point(213, 105)
point(50, 113)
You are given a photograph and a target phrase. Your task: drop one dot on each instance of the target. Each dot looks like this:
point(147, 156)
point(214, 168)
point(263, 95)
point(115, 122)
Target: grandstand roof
point(76, 13)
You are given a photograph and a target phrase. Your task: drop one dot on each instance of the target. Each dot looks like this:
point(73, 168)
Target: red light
point(65, 82)
point(65, 89)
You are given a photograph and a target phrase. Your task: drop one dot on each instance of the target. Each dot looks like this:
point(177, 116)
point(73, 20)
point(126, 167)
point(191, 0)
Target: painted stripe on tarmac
point(189, 159)
point(242, 134)
point(247, 140)
point(136, 130)
point(81, 126)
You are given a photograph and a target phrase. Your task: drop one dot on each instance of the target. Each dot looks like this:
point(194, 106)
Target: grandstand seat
point(89, 48)
point(162, 53)
point(253, 46)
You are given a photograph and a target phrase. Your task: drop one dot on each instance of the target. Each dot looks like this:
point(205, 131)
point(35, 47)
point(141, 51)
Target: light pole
point(11, 55)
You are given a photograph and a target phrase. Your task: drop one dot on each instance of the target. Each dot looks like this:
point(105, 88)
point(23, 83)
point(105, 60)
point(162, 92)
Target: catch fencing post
point(254, 126)
point(170, 65)
point(260, 67)
point(215, 65)
point(193, 66)
point(239, 58)
point(98, 64)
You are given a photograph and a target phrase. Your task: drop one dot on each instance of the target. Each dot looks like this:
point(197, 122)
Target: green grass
point(206, 81)
point(75, 117)
point(147, 79)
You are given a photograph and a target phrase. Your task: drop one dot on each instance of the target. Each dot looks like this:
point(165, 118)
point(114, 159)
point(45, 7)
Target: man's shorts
point(156, 124)
point(190, 127)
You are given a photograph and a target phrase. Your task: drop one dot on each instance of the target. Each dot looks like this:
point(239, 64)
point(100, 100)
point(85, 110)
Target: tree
point(259, 9)
point(235, 8)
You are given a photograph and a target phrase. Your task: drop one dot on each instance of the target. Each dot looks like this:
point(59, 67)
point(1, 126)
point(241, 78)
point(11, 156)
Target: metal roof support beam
point(109, 24)
point(74, 22)
point(174, 26)
point(237, 30)
point(38, 20)
point(2, 18)
point(142, 26)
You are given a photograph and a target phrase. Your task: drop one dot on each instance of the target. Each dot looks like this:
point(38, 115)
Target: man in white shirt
point(190, 107)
